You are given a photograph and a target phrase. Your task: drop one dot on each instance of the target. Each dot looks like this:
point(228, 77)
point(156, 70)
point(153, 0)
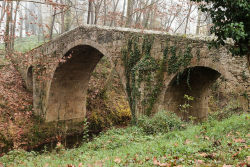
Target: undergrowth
point(161, 122)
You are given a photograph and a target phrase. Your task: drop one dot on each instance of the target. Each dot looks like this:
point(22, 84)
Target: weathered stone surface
point(59, 89)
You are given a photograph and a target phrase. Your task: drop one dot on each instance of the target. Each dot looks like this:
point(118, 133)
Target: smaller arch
point(193, 81)
point(29, 78)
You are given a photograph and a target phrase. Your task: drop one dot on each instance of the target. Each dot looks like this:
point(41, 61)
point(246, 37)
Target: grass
point(213, 143)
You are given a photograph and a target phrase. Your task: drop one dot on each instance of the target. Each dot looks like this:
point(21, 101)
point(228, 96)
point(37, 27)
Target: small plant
point(85, 136)
point(59, 147)
point(161, 122)
point(244, 76)
point(184, 108)
point(192, 119)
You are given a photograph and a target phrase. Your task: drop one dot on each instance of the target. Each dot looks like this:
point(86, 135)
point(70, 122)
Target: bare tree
point(90, 11)
point(198, 22)
point(62, 18)
point(13, 28)
point(129, 12)
point(123, 10)
point(115, 4)
point(188, 16)
point(52, 23)
point(21, 23)
point(3, 11)
point(97, 9)
point(7, 33)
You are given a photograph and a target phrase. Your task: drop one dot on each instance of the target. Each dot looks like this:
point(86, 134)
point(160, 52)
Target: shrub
point(161, 122)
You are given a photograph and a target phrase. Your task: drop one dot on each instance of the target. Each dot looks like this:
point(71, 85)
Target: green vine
point(177, 64)
point(131, 56)
point(173, 63)
point(145, 74)
point(159, 82)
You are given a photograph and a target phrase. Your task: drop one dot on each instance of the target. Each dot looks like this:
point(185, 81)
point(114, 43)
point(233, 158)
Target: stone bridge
point(58, 71)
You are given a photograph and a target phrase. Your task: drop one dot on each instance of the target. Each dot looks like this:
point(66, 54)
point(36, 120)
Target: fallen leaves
point(206, 137)
point(187, 142)
point(117, 160)
point(15, 110)
point(203, 154)
point(199, 162)
point(239, 140)
point(158, 163)
point(227, 165)
point(96, 164)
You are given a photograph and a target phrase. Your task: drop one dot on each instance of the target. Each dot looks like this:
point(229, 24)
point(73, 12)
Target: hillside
point(15, 108)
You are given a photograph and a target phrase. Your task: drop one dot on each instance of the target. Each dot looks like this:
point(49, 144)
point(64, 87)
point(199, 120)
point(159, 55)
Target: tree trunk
point(105, 13)
point(26, 21)
point(188, 16)
point(32, 9)
point(146, 19)
point(147, 15)
point(129, 12)
point(14, 26)
point(198, 22)
point(3, 12)
point(21, 24)
point(89, 11)
point(138, 18)
point(62, 18)
point(8, 27)
point(182, 22)
point(209, 22)
point(123, 11)
point(68, 17)
point(97, 9)
point(153, 16)
point(115, 7)
point(40, 24)
point(52, 24)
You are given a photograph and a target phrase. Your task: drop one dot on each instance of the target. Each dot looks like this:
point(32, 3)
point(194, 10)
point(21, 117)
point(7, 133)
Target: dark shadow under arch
point(68, 90)
point(193, 81)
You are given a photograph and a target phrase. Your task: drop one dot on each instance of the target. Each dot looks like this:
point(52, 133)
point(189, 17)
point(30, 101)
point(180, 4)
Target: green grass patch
point(211, 143)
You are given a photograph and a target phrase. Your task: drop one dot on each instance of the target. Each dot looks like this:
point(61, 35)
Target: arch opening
point(195, 82)
point(68, 90)
point(30, 78)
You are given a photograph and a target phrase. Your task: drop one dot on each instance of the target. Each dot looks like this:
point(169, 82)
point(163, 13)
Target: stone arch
point(68, 88)
point(29, 78)
point(193, 81)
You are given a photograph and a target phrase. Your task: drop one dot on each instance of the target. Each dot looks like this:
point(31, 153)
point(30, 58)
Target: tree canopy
point(231, 19)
